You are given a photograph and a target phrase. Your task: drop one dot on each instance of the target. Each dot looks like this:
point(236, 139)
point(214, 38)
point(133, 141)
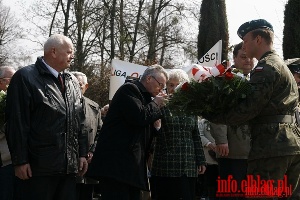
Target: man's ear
point(53, 52)
point(258, 39)
point(86, 86)
point(148, 79)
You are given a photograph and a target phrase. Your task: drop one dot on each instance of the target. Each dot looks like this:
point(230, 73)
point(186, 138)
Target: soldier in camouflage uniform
point(270, 109)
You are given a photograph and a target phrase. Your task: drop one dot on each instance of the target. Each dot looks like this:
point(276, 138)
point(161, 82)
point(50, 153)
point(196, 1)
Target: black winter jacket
point(44, 126)
point(125, 137)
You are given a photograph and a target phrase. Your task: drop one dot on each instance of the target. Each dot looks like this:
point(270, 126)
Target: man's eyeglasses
point(159, 83)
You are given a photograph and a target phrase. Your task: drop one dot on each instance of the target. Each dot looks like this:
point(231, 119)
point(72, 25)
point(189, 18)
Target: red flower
point(228, 75)
point(185, 86)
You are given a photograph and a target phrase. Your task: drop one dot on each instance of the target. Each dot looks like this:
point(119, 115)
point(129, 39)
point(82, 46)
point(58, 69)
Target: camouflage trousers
point(273, 178)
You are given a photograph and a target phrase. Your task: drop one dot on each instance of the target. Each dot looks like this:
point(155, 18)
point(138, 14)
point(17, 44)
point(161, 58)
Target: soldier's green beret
point(293, 64)
point(252, 25)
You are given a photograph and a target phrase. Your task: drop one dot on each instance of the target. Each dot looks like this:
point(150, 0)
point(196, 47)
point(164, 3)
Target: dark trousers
point(47, 188)
point(174, 188)
point(207, 182)
point(235, 167)
point(84, 191)
point(7, 180)
point(115, 190)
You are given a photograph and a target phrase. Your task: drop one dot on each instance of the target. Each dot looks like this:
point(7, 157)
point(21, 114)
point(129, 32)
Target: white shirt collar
point(53, 71)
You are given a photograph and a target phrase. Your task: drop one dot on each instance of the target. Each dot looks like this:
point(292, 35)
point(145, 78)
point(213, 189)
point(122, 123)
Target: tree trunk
point(79, 57)
point(136, 28)
point(112, 30)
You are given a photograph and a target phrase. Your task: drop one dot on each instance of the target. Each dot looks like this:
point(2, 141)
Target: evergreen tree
point(213, 26)
point(291, 31)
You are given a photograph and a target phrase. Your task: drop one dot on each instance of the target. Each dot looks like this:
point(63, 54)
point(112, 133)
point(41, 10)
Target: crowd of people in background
point(57, 144)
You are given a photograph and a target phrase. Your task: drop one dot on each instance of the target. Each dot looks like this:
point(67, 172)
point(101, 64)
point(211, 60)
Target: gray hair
point(178, 74)
point(3, 69)
point(55, 40)
point(77, 74)
point(153, 70)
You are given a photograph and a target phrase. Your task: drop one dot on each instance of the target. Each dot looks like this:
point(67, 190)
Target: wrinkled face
point(250, 45)
point(172, 83)
point(242, 62)
point(83, 86)
point(5, 80)
point(64, 55)
point(155, 84)
point(297, 79)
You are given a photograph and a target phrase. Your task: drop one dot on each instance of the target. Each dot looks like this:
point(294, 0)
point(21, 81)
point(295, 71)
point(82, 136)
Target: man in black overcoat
point(120, 157)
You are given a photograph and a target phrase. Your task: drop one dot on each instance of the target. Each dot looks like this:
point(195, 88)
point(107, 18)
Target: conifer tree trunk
point(213, 26)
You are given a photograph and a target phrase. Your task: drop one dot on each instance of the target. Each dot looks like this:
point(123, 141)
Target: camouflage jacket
point(274, 97)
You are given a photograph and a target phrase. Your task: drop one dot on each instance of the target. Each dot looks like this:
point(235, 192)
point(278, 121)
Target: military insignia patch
point(258, 68)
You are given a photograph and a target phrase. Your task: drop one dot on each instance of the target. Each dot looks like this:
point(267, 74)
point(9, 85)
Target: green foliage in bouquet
point(2, 107)
point(213, 96)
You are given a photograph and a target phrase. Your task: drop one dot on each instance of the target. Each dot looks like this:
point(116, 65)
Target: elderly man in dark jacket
point(121, 153)
point(92, 127)
point(44, 117)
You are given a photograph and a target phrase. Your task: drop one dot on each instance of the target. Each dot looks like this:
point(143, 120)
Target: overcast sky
point(238, 12)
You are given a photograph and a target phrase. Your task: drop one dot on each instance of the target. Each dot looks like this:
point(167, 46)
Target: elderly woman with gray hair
point(178, 155)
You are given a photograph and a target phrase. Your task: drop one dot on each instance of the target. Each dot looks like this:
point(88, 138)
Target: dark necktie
point(61, 82)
